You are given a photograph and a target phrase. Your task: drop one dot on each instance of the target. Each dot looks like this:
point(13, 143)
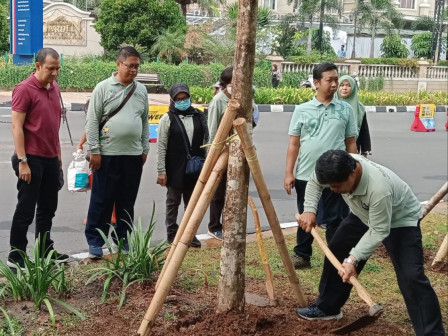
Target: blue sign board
point(27, 36)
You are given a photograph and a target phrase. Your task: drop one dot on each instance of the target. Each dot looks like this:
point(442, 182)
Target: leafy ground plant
point(35, 279)
point(135, 265)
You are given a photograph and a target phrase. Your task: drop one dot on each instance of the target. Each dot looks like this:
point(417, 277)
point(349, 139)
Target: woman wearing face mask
point(181, 121)
point(348, 91)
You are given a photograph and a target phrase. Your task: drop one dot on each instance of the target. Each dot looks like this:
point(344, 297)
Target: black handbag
point(194, 163)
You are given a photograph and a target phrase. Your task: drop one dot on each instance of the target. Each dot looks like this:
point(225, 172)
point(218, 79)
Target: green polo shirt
point(382, 201)
point(320, 128)
point(216, 110)
point(127, 132)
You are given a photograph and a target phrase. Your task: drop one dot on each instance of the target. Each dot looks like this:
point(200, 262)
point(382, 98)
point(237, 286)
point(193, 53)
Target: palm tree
point(376, 14)
point(169, 44)
point(264, 15)
point(310, 10)
point(222, 46)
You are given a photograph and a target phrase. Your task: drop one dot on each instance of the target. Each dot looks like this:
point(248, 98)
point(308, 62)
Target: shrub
point(34, 282)
point(296, 96)
point(393, 46)
point(421, 44)
point(371, 84)
point(139, 264)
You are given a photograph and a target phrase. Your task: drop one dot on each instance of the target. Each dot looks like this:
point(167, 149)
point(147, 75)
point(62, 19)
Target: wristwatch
point(351, 261)
point(23, 159)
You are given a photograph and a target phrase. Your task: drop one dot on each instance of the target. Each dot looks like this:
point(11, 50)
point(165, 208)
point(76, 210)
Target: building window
point(407, 4)
point(270, 4)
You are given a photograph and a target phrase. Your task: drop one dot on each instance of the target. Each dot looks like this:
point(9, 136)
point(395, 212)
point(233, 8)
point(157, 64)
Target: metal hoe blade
point(373, 315)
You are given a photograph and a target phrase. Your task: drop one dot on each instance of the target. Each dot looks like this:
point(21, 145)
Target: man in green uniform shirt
point(383, 210)
point(118, 150)
point(316, 126)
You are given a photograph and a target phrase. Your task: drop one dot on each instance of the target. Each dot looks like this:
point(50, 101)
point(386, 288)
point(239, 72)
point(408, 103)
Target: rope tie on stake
point(220, 145)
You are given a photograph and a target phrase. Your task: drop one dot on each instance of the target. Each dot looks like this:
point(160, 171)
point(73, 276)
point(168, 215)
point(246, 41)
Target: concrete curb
point(369, 109)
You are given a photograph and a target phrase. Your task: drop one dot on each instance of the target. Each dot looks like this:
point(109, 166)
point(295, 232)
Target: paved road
point(420, 158)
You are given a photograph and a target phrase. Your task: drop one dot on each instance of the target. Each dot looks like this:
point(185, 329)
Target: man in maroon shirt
point(36, 118)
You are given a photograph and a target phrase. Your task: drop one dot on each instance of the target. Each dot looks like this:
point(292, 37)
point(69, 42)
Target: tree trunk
point(232, 268)
point(183, 6)
point(372, 42)
point(310, 36)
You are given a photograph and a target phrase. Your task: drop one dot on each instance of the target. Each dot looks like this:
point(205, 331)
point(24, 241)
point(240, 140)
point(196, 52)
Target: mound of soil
point(194, 313)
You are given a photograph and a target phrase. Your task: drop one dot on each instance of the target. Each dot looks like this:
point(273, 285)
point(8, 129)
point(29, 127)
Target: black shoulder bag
point(123, 103)
point(194, 163)
point(108, 117)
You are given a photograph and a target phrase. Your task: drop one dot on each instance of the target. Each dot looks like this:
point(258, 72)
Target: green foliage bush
point(371, 84)
point(315, 57)
point(421, 44)
point(442, 63)
point(4, 29)
point(137, 22)
point(296, 96)
point(393, 46)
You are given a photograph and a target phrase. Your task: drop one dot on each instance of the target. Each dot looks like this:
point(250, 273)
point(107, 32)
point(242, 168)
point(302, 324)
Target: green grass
point(201, 268)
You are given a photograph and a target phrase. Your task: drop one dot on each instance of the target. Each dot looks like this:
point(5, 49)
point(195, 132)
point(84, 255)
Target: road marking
point(5, 116)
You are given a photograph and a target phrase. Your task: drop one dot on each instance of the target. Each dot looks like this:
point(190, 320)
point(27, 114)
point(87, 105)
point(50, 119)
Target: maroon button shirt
point(43, 116)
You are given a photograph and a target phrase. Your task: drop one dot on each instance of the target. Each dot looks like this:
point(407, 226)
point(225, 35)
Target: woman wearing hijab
point(348, 91)
point(182, 122)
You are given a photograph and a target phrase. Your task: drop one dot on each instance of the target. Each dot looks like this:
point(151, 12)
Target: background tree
point(170, 44)
point(377, 14)
point(86, 5)
point(284, 43)
point(207, 5)
point(311, 10)
point(222, 43)
point(424, 23)
point(393, 47)
point(421, 44)
point(4, 28)
point(137, 22)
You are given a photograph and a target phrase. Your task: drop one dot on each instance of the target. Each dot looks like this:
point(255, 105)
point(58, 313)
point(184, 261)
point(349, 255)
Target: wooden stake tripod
point(199, 202)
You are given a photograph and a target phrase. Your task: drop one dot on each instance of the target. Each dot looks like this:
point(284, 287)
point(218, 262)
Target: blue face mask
point(182, 105)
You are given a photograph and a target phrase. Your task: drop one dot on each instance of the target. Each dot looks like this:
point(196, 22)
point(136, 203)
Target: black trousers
point(41, 192)
point(404, 246)
point(332, 209)
point(116, 182)
point(217, 205)
point(173, 198)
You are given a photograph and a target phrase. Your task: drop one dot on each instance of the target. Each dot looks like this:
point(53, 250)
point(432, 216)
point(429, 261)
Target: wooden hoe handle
point(363, 294)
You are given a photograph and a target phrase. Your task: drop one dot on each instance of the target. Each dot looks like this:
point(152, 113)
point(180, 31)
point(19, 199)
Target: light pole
point(436, 36)
point(353, 56)
point(321, 25)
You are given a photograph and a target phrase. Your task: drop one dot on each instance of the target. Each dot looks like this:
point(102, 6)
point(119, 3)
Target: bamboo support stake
point(443, 250)
point(254, 165)
point(179, 253)
point(212, 156)
point(442, 253)
point(435, 199)
point(264, 257)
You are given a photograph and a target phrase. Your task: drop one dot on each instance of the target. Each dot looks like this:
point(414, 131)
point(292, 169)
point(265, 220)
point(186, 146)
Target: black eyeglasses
point(131, 66)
